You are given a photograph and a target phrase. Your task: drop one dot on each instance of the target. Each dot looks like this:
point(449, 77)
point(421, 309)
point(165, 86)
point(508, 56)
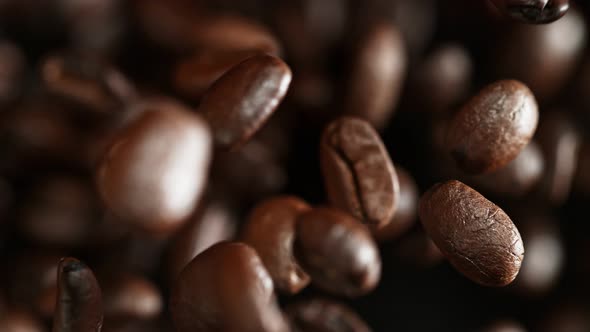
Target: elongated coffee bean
point(243, 99)
point(225, 288)
point(493, 127)
point(477, 237)
point(79, 299)
point(155, 171)
point(338, 252)
point(358, 173)
point(271, 231)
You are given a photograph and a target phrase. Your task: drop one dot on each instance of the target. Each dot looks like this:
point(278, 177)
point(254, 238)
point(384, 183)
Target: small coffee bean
point(79, 300)
point(358, 173)
point(378, 73)
point(338, 252)
point(477, 237)
point(243, 99)
point(225, 288)
point(155, 170)
point(533, 11)
point(270, 230)
point(320, 315)
point(407, 208)
point(128, 296)
point(493, 127)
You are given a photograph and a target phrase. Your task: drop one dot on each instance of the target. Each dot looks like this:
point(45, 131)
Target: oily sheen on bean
point(242, 100)
point(358, 173)
point(493, 127)
point(477, 237)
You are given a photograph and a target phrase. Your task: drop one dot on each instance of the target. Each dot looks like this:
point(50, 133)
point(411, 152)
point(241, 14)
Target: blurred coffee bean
point(79, 305)
point(155, 171)
point(16, 320)
point(442, 79)
point(560, 142)
point(540, 56)
point(214, 221)
point(87, 82)
point(477, 237)
point(545, 255)
point(319, 315)
point(493, 127)
point(515, 179)
point(13, 66)
point(243, 99)
point(533, 11)
point(338, 252)
point(504, 326)
point(417, 249)
point(359, 176)
point(195, 74)
point(128, 296)
point(407, 208)
point(226, 280)
point(270, 230)
point(377, 75)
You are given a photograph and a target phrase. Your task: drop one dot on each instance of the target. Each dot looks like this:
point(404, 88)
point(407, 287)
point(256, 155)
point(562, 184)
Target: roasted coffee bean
point(358, 173)
point(477, 237)
point(319, 315)
point(243, 99)
point(539, 59)
point(560, 142)
point(155, 170)
point(16, 320)
point(87, 82)
point(533, 11)
point(79, 300)
point(194, 75)
point(504, 326)
point(338, 252)
point(407, 208)
point(270, 230)
point(515, 179)
point(225, 288)
point(128, 296)
point(213, 222)
point(377, 75)
point(493, 127)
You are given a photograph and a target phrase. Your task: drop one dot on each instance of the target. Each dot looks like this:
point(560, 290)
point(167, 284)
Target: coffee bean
point(79, 300)
point(535, 11)
point(407, 208)
point(338, 252)
point(226, 280)
point(270, 230)
point(477, 237)
point(243, 99)
point(127, 296)
point(493, 127)
point(358, 174)
point(377, 75)
point(155, 170)
point(320, 315)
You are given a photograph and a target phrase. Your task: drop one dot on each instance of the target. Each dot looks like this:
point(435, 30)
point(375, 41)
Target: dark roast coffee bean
point(477, 237)
point(338, 252)
point(515, 179)
point(493, 127)
point(270, 230)
point(243, 99)
point(407, 208)
point(319, 315)
point(377, 76)
point(155, 170)
point(560, 142)
point(534, 55)
point(358, 174)
point(225, 288)
point(79, 301)
point(128, 296)
point(533, 11)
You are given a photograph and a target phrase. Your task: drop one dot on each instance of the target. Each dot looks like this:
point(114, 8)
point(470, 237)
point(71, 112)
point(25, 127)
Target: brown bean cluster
point(261, 165)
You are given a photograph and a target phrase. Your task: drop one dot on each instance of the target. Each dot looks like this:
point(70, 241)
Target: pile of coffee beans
point(294, 165)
